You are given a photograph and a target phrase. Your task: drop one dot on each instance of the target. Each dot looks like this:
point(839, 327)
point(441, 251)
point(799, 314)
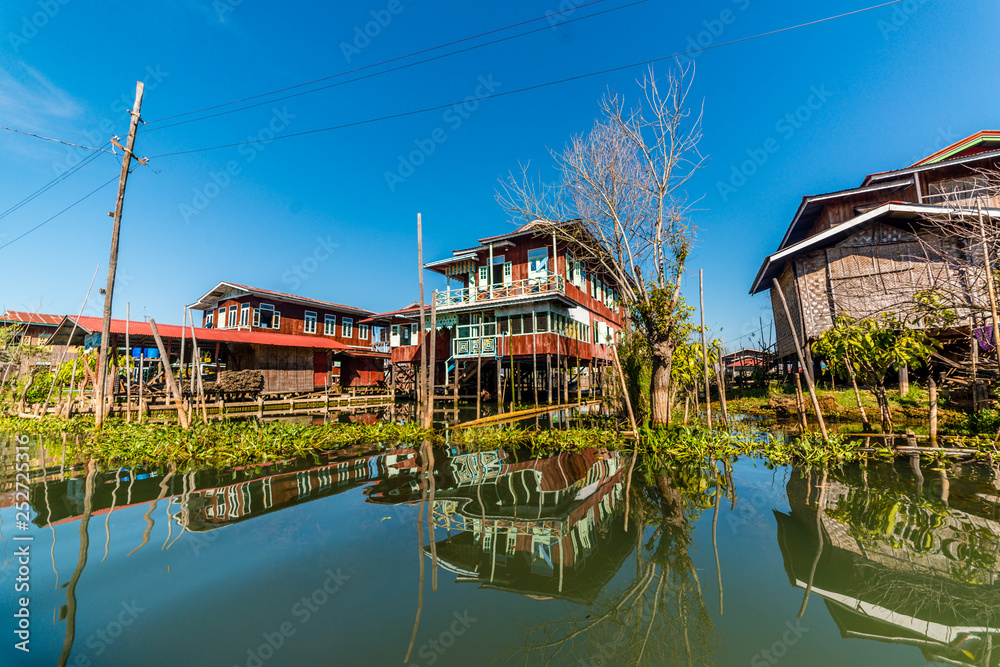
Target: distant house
point(871, 249)
point(30, 329)
point(745, 362)
point(232, 306)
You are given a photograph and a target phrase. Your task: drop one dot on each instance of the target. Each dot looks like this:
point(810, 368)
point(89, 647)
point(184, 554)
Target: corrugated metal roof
point(30, 318)
point(279, 295)
point(90, 325)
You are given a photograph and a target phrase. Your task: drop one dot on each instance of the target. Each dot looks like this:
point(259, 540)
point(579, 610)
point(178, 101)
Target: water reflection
point(900, 559)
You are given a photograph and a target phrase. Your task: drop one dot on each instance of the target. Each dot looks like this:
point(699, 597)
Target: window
point(267, 317)
point(538, 262)
point(484, 276)
point(256, 317)
point(329, 325)
point(232, 315)
point(222, 317)
point(542, 322)
point(208, 319)
point(363, 331)
point(276, 324)
point(309, 325)
point(245, 315)
point(347, 328)
point(508, 273)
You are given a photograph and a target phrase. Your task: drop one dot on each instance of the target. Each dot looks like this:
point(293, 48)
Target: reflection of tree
point(659, 616)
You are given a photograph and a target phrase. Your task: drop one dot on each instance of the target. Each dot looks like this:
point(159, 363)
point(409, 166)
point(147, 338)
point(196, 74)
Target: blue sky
point(331, 215)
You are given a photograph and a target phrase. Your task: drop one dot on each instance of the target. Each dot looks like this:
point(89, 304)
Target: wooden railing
point(517, 288)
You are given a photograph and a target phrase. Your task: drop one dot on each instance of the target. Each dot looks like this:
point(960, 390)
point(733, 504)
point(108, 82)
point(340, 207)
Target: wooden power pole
point(102, 363)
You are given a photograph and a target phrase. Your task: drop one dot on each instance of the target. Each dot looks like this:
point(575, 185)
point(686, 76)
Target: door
point(321, 366)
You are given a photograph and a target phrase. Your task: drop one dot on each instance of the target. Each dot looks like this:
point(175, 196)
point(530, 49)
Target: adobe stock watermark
point(308, 265)
point(225, 7)
point(773, 654)
point(714, 28)
point(220, 179)
point(899, 16)
point(364, 34)
point(119, 108)
point(785, 128)
point(453, 118)
point(32, 23)
point(104, 637)
point(942, 139)
point(432, 650)
point(303, 611)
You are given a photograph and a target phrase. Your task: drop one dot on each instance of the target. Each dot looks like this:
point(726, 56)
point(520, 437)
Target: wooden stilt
point(128, 364)
point(802, 362)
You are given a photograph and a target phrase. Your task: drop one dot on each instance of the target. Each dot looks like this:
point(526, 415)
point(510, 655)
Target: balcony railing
point(518, 288)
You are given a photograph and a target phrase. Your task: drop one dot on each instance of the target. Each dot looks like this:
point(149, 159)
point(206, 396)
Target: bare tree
point(620, 198)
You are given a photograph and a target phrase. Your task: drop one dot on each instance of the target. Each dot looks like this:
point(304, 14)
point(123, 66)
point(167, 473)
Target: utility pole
point(102, 363)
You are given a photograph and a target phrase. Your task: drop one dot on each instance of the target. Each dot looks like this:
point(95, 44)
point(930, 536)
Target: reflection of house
point(897, 568)
point(869, 249)
point(536, 527)
point(522, 297)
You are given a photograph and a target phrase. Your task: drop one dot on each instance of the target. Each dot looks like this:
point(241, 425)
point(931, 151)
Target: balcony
point(548, 284)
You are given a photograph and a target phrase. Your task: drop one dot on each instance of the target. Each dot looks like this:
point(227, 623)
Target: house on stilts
point(521, 318)
point(878, 247)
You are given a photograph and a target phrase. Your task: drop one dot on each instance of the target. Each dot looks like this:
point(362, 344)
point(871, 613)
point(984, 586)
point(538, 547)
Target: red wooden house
point(522, 306)
point(231, 306)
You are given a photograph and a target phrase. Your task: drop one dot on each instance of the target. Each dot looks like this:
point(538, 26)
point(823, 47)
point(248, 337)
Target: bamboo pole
point(798, 352)
point(800, 403)
point(429, 414)
point(933, 400)
point(534, 356)
point(721, 363)
point(72, 332)
point(989, 284)
point(142, 358)
point(704, 350)
point(182, 416)
point(128, 363)
point(420, 388)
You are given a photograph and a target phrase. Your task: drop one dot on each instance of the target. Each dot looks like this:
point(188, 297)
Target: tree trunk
point(883, 403)
point(857, 397)
point(659, 392)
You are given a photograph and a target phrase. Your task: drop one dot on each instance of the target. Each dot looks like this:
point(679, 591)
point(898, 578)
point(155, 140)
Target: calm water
point(323, 562)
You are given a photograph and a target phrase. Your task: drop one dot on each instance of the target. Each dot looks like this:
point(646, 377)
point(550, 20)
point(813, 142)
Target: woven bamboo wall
point(877, 270)
point(285, 369)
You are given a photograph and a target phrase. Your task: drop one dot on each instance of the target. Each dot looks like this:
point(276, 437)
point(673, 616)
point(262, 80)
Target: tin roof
point(30, 318)
point(142, 334)
point(209, 299)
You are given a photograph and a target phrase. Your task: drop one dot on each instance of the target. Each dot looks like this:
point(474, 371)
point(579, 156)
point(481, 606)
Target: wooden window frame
point(309, 320)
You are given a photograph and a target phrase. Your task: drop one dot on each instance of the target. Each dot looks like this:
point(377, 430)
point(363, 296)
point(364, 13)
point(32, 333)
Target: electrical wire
point(48, 186)
point(390, 60)
point(50, 219)
point(58, 141)
point(533, 87)
point(373, 74)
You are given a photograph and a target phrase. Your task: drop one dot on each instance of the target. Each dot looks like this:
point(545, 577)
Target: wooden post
point(904, 380)
point(558, 379)
point(800, 402)
point(182, 416)
point(510, 337)
point(479, 377)
point(704, 349)
point(722, 382)
point(429, 415)
point(548, 377)
point(180, 359)
point(142, 358)
point(933, 400)
point(128, 365)
point(455, 403)
point(109, 292)
point(534, 356)
point(499, 385)
point(421, 381)
point(989, 283)
point(798, 352)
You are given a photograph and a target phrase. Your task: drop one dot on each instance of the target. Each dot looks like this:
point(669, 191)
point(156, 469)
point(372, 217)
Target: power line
point(58, 141)
point(390, 60)
point(533, 87)
point(375, 74)
point(50, 219)
point(48, 186)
